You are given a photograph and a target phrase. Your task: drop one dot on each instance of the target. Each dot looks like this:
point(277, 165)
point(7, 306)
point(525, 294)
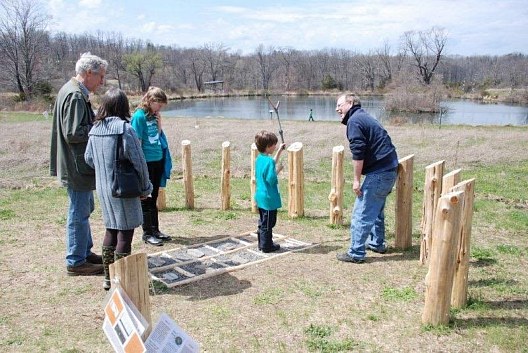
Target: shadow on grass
point(513, 322)
point(483, 262)
point(393, 254)
point(507, 304)
point(320, 249)
point(216, 286)
point(490, 282)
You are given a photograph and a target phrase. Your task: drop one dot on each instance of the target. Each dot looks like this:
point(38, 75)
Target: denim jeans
point(267, 220)
point(368, 218)
point(79, 241)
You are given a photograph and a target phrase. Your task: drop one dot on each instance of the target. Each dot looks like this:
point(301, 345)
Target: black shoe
point(376, 250)
point(86, 269)
point(94, 259)
point(347, 258)
point(272, 248)
point(161, 235)
point(152, 240)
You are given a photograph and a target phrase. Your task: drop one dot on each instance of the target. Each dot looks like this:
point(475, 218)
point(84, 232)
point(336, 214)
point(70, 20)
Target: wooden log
point(225, 195)
point(404, 194)
point(296, 180)
point(450, 179)
point(439, 278)
point(188, 183)
point(132, 274)
point(432, 189)
point(460, 282)
point(253, 186)
point(337, 186)
point(161, 203)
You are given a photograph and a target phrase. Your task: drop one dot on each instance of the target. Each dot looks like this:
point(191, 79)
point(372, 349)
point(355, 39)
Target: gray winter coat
point(125, 213)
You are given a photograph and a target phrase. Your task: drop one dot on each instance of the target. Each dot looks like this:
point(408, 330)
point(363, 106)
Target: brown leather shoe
point(94, 259)
point(86, 269)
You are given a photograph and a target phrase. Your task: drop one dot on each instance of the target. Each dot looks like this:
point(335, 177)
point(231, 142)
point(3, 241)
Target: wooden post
point(439, 278)
point(404, 189)
point(432, 188)
point(460, 282)
point(253, 186)
point(187, 174)
point(337, 186)
point(225, 197)
point(450, 179)
point(132, 274)
point(161, 203)
point(296, 180)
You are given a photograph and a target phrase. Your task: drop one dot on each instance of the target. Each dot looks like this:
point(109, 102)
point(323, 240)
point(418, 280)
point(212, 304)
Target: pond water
point(323, 107)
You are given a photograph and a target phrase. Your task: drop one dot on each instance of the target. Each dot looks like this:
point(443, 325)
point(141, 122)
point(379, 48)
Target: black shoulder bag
point(125, 181)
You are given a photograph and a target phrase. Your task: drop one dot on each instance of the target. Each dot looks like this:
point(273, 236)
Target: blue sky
point(474, 27)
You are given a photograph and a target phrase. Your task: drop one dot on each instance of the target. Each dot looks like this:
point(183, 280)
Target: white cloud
point(91, 4)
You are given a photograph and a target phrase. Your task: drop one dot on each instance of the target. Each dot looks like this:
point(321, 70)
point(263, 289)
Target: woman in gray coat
point(120, 215)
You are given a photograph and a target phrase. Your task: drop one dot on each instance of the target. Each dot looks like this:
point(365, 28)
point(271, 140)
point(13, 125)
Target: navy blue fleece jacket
point(369, 141)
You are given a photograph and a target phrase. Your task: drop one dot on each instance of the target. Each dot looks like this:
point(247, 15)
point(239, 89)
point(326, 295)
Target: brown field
point(302, 302)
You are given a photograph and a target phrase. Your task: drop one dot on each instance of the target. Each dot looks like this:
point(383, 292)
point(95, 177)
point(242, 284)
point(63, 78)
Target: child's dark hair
point(114, 103)
point(265, 139)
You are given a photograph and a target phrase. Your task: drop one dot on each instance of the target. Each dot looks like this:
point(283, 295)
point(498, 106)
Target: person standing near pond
point(374, 156)
point(267, 194)
point(310, 118)
point(72, 120)
point(146, 121)
point(120, 215)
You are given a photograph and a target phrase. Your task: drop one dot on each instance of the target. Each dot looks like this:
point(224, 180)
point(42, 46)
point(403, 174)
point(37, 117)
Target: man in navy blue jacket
point(374, 156)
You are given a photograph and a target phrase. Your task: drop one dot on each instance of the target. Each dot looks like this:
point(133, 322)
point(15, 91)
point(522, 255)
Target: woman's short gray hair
point(91, 62)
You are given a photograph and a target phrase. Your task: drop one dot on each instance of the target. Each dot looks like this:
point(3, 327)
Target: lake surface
point(298, 108)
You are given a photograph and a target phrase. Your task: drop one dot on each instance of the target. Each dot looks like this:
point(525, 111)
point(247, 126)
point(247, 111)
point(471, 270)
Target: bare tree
point(267, 64)
point(22, 42)
point(143, 65)
point(215, 56)
point(366, 65)
point(426, 48)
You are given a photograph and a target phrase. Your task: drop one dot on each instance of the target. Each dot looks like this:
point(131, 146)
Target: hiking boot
point(86, 269)
point(161, 236)
point(108, 259)
point(381, 250)
point(347, 258)
point(272, 248)
point(94, 259)
point(152, 240)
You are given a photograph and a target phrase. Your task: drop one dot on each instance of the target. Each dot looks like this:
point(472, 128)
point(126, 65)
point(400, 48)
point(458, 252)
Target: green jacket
point(72, 120)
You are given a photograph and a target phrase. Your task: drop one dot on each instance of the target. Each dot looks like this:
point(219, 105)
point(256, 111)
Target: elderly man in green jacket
point(72, 120)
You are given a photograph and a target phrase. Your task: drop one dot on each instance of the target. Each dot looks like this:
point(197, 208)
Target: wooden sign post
point(225, 195)
point(337, 186)
point(187, 174)
point(404, 189)
point(296, 180)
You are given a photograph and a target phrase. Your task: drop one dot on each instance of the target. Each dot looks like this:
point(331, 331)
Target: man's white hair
point(87, 61)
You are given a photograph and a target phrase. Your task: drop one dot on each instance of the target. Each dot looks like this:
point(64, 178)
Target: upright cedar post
point(432, 189)
point(439, 278)
point(460, 283)
point(225, 197)
point(132, 274)
point(187, 174)
point(296, 180)
point(161, 203)
point(253, 186)
point(337, 186)
point(450, 179)
point(404, 189)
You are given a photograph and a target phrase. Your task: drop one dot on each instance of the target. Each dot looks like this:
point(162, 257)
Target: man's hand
point(357, 188)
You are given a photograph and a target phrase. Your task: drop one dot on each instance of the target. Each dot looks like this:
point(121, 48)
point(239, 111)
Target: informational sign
point(124, 324)
point(167, 336)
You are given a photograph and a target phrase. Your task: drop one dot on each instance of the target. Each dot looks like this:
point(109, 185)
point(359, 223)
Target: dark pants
point(267, 220)
point(149, 207)
point(121, 240)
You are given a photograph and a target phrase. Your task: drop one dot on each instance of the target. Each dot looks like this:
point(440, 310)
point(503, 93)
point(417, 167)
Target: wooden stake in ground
point(337, 186)
point(253, 186)
point(460, 282)
point(404, 189)
point(187, 174)
point(161, 203)
point(132, 274)
point(225, 195)
point(439, 279)
point(450, 179)
point(296, 180)
point(432, 189)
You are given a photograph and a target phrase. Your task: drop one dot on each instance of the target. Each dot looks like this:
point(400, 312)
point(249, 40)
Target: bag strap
point(120, 153)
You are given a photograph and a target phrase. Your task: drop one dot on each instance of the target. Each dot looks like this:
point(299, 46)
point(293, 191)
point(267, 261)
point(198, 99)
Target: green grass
point(22, 117)
point(404, 294)
point(318, 339)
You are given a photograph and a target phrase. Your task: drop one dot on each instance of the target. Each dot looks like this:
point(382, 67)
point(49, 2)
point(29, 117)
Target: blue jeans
point(78, 235)
point(368, 218)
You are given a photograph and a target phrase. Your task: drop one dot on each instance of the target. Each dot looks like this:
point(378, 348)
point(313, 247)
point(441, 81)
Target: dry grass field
point(302, 302)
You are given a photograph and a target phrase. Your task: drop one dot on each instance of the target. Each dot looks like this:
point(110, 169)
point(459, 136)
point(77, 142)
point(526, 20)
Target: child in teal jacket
point(267, 194)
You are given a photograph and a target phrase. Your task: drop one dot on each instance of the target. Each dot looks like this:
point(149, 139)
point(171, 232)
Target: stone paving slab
point(178, 266)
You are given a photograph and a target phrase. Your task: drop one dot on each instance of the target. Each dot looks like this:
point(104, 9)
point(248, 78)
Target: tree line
point(35, 62)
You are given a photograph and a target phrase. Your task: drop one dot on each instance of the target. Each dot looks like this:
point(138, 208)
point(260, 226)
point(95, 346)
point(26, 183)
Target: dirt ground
point(303, 302)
